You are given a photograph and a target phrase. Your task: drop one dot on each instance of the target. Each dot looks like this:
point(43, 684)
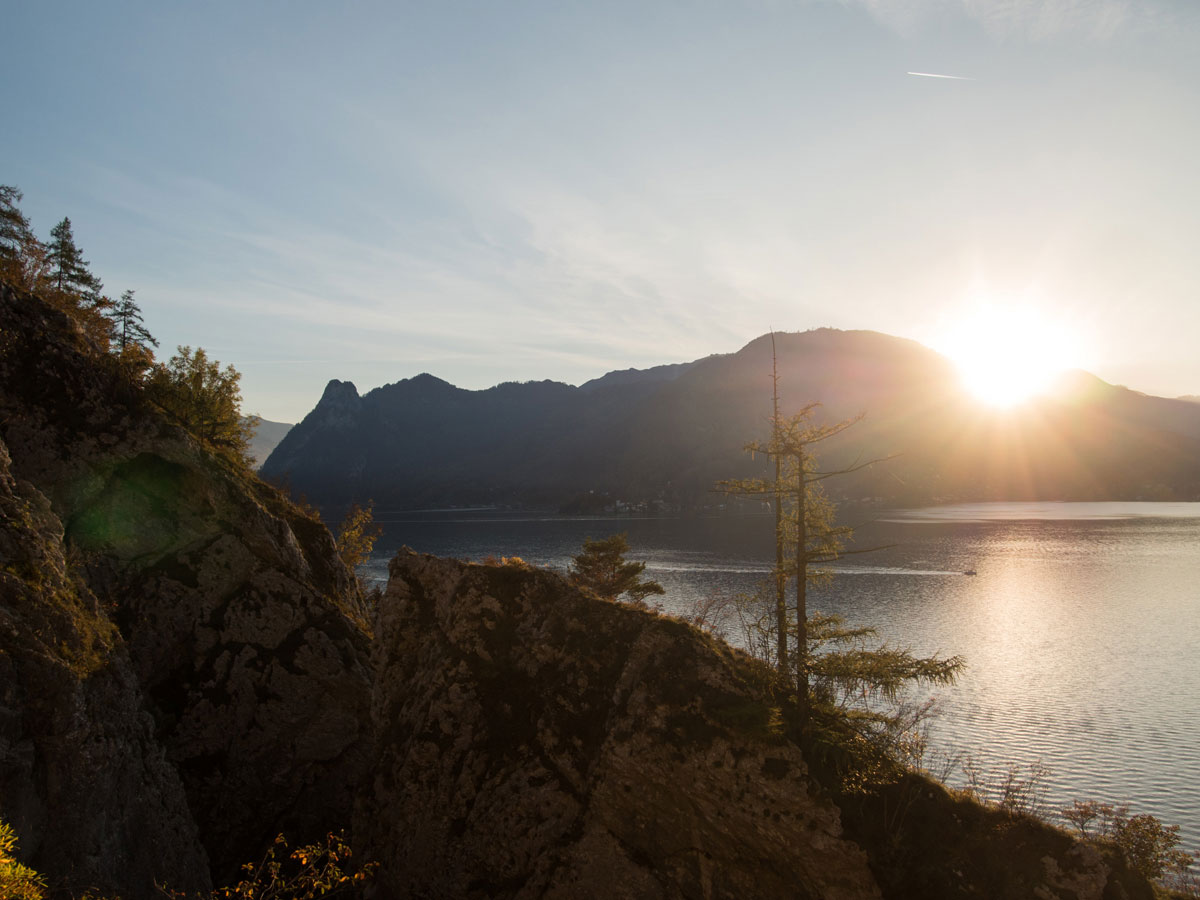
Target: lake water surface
point(1080, 629)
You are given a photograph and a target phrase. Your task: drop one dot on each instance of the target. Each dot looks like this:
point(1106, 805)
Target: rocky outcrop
point(82, 779)
point(236, 622)
point(238, 616)
point(534, 741)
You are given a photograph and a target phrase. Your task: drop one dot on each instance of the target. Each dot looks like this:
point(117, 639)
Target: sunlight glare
point(1008, 351)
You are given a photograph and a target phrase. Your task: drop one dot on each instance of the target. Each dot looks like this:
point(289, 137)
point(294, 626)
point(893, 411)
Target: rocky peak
point(340, 393)
point(339, 406)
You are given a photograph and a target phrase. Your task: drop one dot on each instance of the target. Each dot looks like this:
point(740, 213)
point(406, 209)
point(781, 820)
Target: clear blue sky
point(499, 191)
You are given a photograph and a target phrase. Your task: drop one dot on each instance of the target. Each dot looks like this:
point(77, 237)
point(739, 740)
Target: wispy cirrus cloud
point(1030, 19)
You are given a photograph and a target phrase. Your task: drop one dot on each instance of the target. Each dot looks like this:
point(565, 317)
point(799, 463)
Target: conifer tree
point(22, 256)
point(603, 569)
point(132, 338)
point(68, 271)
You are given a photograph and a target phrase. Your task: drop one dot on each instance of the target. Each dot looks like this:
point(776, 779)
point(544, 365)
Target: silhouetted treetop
point(68, 270)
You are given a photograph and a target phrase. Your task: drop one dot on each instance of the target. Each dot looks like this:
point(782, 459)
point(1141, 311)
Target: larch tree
point(806, 645)
point(355, 540)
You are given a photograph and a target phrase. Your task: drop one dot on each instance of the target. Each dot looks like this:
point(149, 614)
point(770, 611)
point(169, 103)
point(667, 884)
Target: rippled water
point(1080, 628)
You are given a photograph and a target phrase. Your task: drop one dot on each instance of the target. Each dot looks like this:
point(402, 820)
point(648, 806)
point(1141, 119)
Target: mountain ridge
point(663, 436)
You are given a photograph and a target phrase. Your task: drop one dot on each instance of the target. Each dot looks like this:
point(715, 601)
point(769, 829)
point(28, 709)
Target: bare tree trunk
point(801, 591)
point(781, 615)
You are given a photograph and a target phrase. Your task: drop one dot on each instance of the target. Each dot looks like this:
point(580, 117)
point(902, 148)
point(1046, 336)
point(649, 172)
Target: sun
point(1008, 350)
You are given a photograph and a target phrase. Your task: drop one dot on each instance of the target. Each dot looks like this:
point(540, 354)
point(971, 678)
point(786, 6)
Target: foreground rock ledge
point(534, 741)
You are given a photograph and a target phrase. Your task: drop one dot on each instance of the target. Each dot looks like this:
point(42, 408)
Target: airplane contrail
point(935, 75)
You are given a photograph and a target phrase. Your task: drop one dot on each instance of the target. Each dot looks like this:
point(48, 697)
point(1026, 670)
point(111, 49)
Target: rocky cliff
point(235, 634)
point(82, 778)
point(538, 742)
point(534, 741)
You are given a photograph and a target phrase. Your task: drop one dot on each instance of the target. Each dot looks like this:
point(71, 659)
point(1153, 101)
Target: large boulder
point(535, 741)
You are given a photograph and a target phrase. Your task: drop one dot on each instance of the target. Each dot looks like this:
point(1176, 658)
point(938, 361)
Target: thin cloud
point(1032, 19)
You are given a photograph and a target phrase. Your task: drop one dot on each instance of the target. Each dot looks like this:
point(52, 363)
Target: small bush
point(1011, 790)
point(602, 569)
point(510, 562)
point(17, 882)
point(357, 534)
point(305, 873)
point(1151, 847)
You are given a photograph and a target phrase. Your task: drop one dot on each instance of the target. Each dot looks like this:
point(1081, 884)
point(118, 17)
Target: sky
point(512, 191)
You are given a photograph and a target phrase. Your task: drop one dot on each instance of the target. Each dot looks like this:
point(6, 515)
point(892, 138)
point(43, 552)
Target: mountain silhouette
point(664, 436)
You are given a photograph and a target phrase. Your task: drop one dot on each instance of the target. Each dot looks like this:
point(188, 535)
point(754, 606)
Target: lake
point(1080, 629)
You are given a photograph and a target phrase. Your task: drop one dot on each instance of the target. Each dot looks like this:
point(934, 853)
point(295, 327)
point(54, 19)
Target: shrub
point(305, 873)
point(205, 399)
point(17, 882)
point(1009, 789)
point(1151, 847)
point(357, 534)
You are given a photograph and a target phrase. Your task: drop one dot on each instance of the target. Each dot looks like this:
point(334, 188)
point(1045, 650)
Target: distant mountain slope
point(267, 436)
point(657, 374)
point(669, 433)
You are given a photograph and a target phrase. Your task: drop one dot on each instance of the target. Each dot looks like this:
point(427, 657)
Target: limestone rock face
point(82, 779)
point(537, 742)
point(259, 687)
point(238, 616)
